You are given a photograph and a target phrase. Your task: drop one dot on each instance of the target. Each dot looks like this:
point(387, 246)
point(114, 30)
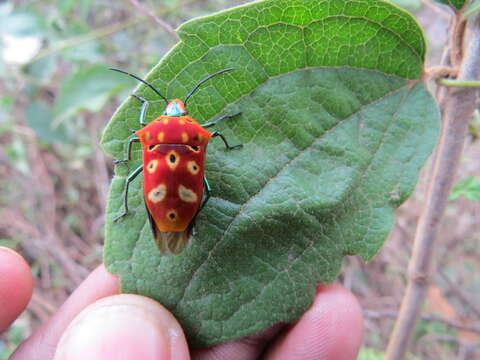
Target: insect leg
point(223, 118)
point(208, 191)
point(228, 147)
point(128, 180)
point(143, 110)
point(129, 151)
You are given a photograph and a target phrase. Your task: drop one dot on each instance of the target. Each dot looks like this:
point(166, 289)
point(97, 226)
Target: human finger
point(16, 286)
point(331, 329)
point(43, 342)
point(247, 348)
point(123, 326)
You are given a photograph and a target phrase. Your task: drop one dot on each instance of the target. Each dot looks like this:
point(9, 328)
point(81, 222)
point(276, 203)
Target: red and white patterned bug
point(174, 184)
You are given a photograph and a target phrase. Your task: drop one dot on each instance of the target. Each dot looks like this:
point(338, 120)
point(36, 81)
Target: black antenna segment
point(204, 80)
point(142, 81)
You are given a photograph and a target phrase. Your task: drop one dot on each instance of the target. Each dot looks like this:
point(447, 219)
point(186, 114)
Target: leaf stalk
point(459, 83)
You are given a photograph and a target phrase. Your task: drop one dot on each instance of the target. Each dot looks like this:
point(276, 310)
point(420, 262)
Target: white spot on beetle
point(152, 166)
point(158, 193)
point(187, 194)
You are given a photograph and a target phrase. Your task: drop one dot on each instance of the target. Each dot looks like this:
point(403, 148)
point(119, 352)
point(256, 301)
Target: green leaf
point(65, 6)
point(43, 69)
point(6, 105)
point(335, 125)
point(21, 23)
point(10, 243)
point(429, 327)
point(15, 335)
point(468, 187)
point(85, 6)
point(456, 4)
point(39, 118)
point(6, 9)
point(90, 51)
point(88, 88)
point(410, 5)
point(472, 8)
point(370, 354)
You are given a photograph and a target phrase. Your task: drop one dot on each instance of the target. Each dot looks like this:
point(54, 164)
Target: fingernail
point(121, 327)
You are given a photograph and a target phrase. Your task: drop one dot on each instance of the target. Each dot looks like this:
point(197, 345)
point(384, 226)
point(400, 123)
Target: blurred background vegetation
point(56, 96)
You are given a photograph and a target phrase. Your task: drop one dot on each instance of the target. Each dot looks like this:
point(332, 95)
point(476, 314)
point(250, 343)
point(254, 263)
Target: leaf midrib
point(300, 152)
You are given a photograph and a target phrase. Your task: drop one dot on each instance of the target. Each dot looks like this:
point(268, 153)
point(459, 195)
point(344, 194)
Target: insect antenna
point(204, 80)
point(142, 81)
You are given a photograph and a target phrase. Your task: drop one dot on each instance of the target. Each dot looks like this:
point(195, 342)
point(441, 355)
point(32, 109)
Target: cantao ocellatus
point(174, 184)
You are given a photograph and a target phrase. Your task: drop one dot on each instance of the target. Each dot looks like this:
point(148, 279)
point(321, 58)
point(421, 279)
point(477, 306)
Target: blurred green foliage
point(370, 354)
point(473, 7)
point(455, 4)
point(410, 5)
point(13, 338)
point(468, 187)
point(88, 89)
point(429, 327)
point(58, 51)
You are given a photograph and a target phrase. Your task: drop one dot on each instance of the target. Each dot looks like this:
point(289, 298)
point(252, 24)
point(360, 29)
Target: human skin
point(98, 323)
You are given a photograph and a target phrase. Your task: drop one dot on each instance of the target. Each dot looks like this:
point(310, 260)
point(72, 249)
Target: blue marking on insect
point(175, 108)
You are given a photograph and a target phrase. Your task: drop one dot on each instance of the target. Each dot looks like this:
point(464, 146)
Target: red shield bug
point(174, 184)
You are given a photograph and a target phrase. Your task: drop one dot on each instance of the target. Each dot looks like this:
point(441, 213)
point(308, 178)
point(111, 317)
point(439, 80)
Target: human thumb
point(123, 327)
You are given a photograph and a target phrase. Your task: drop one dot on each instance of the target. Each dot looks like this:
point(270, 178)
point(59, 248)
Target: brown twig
point(437, 72)
point(459, 107)
point(457, 32)
point(164, 25)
